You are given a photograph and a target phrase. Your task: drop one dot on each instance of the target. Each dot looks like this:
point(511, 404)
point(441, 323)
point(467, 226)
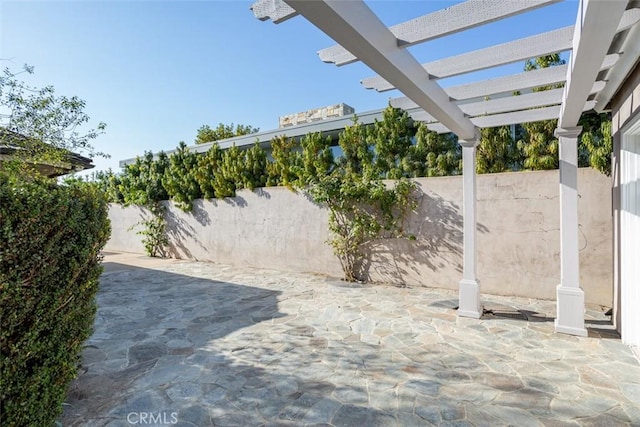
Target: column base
point(570, 311)
point(469, 299)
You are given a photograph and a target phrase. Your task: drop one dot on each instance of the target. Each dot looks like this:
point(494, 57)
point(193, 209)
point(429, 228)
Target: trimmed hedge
point(50, 242)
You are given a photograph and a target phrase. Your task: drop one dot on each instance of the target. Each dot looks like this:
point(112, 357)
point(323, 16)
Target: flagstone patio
point(198, 344)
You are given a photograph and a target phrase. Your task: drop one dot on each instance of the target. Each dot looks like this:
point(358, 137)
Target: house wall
point(625, 107)
point(518, 235)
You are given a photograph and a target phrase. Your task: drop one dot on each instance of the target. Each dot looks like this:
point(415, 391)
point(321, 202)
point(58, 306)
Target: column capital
point(471, 142)
point(569, 132)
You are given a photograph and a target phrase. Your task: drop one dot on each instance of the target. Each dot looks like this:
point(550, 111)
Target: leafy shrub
point(362, 211)
point(179, 178)
point(434, 154)
point(109, 183)
point(596, 142)
point(357, 154)
point(317, 158)
point(539, 145)
point(362, 208)
point(391, 137)
point(286, 161)
point(50, 240)
point(498, 151)
point(154, 231)
point(141, 182)
point(254, 170)
point(208, 166)
point(229, 175)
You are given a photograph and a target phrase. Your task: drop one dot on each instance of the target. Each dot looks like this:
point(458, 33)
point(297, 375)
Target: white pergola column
point(570, 297)
point(469, 289)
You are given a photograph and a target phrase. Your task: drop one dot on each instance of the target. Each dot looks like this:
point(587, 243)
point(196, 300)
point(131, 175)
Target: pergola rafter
point(507, 53)
point(503, 119)
point(515, 82)
point(460, 17)
point(547, 43)
point(499, 105)
point(589, 50)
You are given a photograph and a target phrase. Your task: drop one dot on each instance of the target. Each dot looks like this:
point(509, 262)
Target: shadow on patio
point(204, 344)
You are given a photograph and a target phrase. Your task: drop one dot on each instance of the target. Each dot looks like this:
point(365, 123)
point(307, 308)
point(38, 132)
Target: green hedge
point(50, 241)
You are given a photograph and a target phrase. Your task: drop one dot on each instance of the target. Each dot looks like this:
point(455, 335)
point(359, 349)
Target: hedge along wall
point(50, 239)
point(518, 234)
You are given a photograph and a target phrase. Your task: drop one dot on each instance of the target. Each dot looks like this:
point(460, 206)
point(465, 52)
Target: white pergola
point(604, 47)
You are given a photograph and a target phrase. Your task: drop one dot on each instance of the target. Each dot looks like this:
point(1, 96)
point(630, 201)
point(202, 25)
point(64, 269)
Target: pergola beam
point(353, 25)
point(594, 30)
point(459, 17)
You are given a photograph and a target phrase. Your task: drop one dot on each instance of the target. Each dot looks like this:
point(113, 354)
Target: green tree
point(254, 167)
point(180, 177)
point(391, 139)
point(596, 143)
point(141, 181)
point(222, 131)
point(286, 162)
point(208, 166)
point(42, 127)
point(141, 185)
point(228, 178)
point(317, 158)
point(109, 183)
point(433, 154)
point(544, 61)
point(357, 155)
point(539, 144)
point(540, 147)
point(362, 208)
point(497, 151)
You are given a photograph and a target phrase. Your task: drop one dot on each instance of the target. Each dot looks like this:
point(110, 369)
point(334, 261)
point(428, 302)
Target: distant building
point(329, 112)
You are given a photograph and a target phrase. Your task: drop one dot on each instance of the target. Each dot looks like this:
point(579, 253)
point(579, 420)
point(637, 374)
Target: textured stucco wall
point(518, 235)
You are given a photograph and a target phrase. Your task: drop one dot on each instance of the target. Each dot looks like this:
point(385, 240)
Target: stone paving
point(197, 344)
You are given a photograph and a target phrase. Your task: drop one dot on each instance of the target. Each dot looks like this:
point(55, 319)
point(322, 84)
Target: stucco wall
point(518, 235)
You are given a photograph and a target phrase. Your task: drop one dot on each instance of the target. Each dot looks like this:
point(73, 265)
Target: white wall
point(625, 107)
point(518, 238)
point(630, 236)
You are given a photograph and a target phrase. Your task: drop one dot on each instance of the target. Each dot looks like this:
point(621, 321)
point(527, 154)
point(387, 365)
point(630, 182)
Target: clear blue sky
point(155, 71)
